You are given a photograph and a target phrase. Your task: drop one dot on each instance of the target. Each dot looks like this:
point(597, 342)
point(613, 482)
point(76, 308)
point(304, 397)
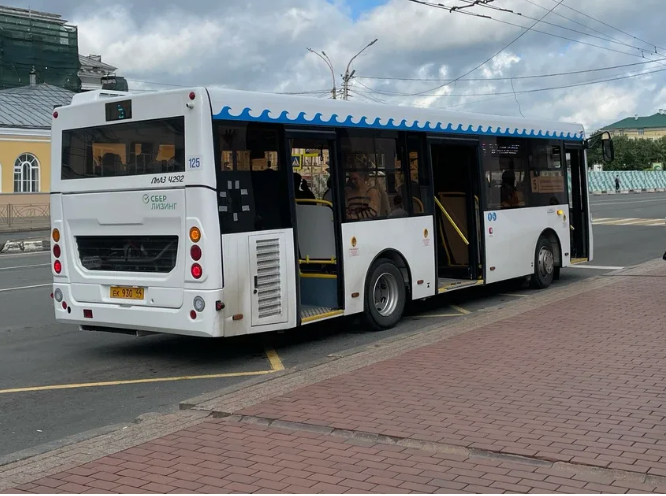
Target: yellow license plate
point(123, 293)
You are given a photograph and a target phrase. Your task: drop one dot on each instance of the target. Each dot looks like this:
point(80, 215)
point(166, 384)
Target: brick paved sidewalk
point(566, 397)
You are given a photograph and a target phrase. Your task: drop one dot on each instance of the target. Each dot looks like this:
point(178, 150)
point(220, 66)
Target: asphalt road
point(77, 374)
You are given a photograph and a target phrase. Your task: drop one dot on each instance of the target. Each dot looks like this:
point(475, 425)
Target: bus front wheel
point(544, 264)
point(385, 295)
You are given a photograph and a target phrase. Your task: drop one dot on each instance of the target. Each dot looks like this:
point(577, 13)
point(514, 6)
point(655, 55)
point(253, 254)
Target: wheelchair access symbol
point(492, 216)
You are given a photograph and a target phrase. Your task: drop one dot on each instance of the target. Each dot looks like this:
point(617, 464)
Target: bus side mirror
point(608, 149)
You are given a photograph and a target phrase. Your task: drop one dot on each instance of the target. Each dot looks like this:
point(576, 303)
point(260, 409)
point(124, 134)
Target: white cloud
point(261, 44)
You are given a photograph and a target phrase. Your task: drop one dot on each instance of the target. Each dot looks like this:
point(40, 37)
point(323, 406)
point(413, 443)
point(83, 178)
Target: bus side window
point(372, 168)
point(251, 179)
point(505, 166)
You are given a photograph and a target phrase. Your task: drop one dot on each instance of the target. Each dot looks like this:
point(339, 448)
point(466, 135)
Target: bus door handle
point(256, 284)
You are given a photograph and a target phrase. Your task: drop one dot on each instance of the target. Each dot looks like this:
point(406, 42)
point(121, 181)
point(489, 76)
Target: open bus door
point(578, 203)
point(579, 208)
point(313, 154)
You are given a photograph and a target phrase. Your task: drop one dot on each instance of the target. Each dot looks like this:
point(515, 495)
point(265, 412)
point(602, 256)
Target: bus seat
point(316, 231)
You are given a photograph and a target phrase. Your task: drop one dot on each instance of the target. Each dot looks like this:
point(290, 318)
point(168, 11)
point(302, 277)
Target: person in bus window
point(328, 194)
point(307, 192)
point(363, 201)
point(508, 192)
point(398, 208)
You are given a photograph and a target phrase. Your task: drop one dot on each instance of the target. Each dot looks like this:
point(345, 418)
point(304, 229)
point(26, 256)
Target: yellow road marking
point(133, 381)
point(460, 309)
point(274, 358)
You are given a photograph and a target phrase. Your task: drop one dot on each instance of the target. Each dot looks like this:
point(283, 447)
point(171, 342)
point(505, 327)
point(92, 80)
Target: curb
point(627, 191)
point(227, 401)
point(92, 445)
point(26, 246)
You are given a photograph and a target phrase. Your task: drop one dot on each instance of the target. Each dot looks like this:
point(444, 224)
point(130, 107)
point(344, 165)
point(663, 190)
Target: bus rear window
point(126, 149)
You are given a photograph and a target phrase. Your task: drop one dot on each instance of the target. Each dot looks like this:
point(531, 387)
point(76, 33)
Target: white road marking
point(630, 221)
point(29, 254)
point(595, 267)
point(4, 290)
point(24, 266)
point(627, 202)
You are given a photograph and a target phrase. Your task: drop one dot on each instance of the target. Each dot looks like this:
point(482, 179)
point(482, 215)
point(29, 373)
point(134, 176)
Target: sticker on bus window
point(193, 163)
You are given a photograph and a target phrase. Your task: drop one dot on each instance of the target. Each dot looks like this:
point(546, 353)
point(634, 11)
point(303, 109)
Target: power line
point(613, 27)
point(496, 53)
point(604, 38)
point(534, 76)
point(535, 90)
point(573, 20)
point(573, 40)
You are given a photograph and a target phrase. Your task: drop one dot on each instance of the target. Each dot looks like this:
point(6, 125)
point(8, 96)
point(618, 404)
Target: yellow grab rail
point(448, 217)
point(316, 202)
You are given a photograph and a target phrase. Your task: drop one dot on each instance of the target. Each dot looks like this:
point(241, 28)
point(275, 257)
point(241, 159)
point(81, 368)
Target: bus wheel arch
point(389, 279)
point(547, 259)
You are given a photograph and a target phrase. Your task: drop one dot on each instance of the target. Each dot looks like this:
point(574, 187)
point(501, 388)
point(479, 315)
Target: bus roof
point(239, 105)
point(299, 110)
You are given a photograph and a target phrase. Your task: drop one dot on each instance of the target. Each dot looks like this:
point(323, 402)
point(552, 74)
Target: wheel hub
point(546, 262)
point(385, 294)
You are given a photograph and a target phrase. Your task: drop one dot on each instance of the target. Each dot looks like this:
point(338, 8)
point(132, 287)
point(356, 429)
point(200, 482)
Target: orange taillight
point(56, 235)
point(195, 235)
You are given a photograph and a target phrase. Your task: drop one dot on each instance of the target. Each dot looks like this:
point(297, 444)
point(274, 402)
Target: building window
point(641, 132)
point(26, 174)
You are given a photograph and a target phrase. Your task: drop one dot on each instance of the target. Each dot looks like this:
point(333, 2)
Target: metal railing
point(27, 217)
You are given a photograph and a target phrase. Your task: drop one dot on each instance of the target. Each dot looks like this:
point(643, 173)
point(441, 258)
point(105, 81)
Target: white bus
point(217, 213)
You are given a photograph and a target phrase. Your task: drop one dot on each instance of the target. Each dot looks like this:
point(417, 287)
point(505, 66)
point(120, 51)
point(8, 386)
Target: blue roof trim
point(283, 118)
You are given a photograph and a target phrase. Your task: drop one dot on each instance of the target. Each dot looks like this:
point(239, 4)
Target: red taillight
point(193, 315)
point(57, 266)
point(192, 95)
point(64, 305)
point(55, 115)
point(197, 271)
point(87, 314)
point(56, 251)
point(195, 253)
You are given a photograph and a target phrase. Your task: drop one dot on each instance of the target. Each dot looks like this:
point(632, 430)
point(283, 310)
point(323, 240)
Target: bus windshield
point(126, 149)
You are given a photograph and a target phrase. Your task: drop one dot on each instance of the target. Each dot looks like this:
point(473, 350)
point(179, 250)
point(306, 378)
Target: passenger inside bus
point(398, 208)
point(362, 199)
point(508, 192)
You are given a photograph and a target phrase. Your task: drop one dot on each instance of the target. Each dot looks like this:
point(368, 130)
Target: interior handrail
point(448, 217)
point(316, 202)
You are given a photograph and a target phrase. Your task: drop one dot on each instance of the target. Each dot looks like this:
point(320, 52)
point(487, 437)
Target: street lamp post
point(347, 77)
point(325, 58)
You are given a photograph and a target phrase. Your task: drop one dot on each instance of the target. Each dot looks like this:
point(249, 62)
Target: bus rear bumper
point(141, 319)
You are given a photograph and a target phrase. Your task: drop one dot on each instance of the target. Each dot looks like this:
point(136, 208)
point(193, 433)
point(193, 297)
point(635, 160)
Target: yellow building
point(25, 136)
point(651, 127)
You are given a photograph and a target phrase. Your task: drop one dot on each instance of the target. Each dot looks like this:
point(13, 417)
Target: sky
point(262, 45)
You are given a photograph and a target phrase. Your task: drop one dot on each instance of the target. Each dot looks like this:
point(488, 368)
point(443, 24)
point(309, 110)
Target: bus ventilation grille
point(128, 253)
point(269, 281)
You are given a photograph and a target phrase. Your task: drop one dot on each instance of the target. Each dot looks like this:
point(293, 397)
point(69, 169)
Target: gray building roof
point(94, 63)
point(31, 107)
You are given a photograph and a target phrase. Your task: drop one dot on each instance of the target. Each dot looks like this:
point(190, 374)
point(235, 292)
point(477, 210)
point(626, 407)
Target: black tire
point(385, 277)
point(544, 264)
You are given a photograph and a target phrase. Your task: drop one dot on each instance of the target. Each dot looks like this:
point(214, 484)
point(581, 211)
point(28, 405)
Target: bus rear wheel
point(544, 264)
point(385, 295)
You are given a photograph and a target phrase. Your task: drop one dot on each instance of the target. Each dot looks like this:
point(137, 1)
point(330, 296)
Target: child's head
point(397, 201)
